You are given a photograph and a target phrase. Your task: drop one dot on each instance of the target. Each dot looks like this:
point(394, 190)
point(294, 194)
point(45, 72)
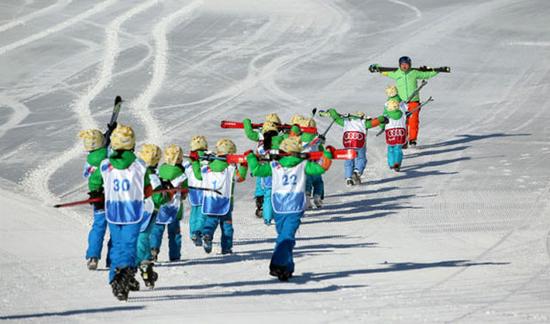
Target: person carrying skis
point(172, 175)
point(199, 147)
point(395, 128)
point(314, 183)
point(218, 208)
point(288, 198)
point(406, 80)
point(150, 154)
point(268, 141)
point(93, 141)
point(124, 183)
point(354, 137)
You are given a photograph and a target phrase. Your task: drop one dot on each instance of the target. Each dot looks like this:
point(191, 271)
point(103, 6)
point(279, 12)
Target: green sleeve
point(425, 74)
point(243, 170)
point(197, 169)
point(258, 169)
point(95, 181)
point(249, 131)
point(296, 129)
point(314, 168)
point(147, 180)
point(392, 74)
point(336, 117)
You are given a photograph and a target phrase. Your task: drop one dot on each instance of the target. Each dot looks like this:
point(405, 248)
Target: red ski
point(343, 154)
point(100, 199)
point(234, 124)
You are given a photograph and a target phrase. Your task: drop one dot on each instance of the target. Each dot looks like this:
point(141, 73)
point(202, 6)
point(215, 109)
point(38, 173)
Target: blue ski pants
point(358, 164)
point(395, 155)
point(226, 226)
point(174, 239)
point(286, 225)
point(124, 250)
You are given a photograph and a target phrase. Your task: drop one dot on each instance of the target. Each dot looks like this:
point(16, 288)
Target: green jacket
point(158, 198)
point(119, 161)
point(168, 173)
point(254, 135)
point(94, 159)
point(264, 169)
point(369, 123)
point(406, 82)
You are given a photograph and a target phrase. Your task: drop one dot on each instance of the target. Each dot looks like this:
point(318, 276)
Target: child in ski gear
point(93, 141)
point(355, 137)
point(314, 183)
point(199, 147)
point(172, 175)
point(288, 199)
point(406, 80)
point(150, 154)
point(219, 208)
point(396, 132)
point(125, 182)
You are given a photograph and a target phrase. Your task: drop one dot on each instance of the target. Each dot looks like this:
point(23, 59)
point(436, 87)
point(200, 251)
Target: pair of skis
point(443, 69)
point(100, 199)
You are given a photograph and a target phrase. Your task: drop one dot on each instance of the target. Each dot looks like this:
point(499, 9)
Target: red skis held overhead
point(234, 124)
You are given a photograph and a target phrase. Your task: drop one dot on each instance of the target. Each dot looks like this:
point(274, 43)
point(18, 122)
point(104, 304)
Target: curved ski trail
point(33, 15)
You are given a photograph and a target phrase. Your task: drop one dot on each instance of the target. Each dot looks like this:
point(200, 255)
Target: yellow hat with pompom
point(391, 91)
point(173, 154)
point(225, 146)
point(273, 117)
point(123, 138)
point(150, 154)
point(269, 127)
point(199, 142)
point(291, 144)
point(392, 105)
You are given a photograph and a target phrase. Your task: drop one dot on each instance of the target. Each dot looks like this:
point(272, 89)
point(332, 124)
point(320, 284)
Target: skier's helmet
point(391, 91)
point(198, 142)
point(92, 139)
point(269, 127)
point(405, 59)
point(123, 138)
point(225, 146)
point(291, 144)
point(392, 105)
point(150, 154)
point(359, 114)
point(173, 154)
point(273, 117)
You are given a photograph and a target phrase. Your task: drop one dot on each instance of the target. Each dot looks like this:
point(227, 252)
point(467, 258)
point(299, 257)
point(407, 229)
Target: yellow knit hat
point(150, 154)
point(392, 105)
point(308, 122)
point(198, 142)
point(295, 120)
point(359, 114)
point(273, 117)
point(173, 154)
point(391, 91)
point(268, 127)
point(291, 144)
point(92, 139)
point(123, 138)
point(225, 146)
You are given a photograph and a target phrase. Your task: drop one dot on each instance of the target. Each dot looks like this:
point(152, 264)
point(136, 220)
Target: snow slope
point(461, 235)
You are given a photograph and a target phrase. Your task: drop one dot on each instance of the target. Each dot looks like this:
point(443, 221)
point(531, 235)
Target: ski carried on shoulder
point(235, 124)
point(443, 69)
point(341, 154)
point(112, 122)
point(100, 199)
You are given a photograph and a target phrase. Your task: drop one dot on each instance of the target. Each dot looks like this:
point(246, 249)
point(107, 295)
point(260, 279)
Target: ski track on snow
point(49, 31)
point(20, 112)
point(140, 106)
point(37, 181)
point(60, 4)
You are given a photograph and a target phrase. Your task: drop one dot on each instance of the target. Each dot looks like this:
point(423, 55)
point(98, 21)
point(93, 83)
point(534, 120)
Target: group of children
point(138, 199)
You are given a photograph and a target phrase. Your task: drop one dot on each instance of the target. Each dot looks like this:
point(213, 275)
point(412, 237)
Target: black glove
point(98, 205)
point(322, 138)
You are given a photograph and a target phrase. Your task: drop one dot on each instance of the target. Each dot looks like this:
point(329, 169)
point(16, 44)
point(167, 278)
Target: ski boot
point(227, 251)
point(119, 285)
point(412, 144)
point(356, 177)
point(197, 239)
point(133, 284)
point(405, 146)
point(280, 272)
point(397, 167)
point(92, 264)
point(318, 201)
point(349, 182)
point(155, 254)
point(147, 274)
point(207, 243)
point(259, 206)
point(309, 205)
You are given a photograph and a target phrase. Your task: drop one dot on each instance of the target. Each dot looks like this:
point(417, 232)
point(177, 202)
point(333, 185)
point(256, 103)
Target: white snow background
point(461, 235)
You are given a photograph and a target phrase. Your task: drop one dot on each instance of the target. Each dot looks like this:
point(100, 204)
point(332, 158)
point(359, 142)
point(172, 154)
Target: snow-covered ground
point(461, 235)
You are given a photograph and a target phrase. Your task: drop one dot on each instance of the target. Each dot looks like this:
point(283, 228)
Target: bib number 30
point(121, 185)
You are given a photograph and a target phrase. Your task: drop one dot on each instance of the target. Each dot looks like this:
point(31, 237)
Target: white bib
point(168, 212)
point(195, 196)
point(214, 203)
point(288, 188)
point(123, 192)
